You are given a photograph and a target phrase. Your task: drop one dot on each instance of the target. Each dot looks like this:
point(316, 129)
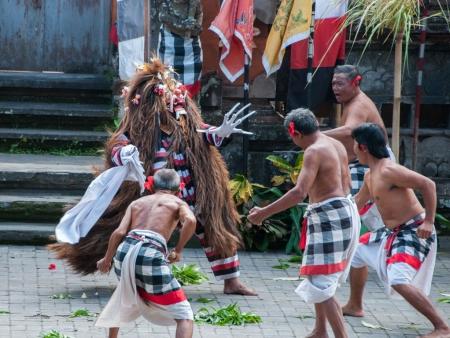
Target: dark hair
point(349, 70)
point(373, 137)
point(304, 121)
point(166, 179)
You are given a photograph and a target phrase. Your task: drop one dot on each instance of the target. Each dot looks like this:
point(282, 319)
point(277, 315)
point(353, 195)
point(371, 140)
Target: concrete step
point(38, 109)
point(26, 233)
point(47, 171)
point(34, 205)
point(53, 135)
point(54, 80)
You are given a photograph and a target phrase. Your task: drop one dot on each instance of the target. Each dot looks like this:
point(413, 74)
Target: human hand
point(425, 230)
point(256, 216)
point(174, 256)
point(104, 265)
point(230, 122)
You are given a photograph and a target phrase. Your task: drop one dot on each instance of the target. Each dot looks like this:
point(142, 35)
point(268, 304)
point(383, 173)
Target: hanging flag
point(291, 24)
point(234, 26)
point(130, 30)
point(293, 21)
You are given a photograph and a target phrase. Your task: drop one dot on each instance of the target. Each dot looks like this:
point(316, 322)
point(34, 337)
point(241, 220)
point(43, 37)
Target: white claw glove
point(229, 123)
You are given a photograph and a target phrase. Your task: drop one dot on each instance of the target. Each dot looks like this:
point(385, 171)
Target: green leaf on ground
point(305, 316)
point(295, 259)
point(374, 326)
point(204, 300)
point(227, 315)
point(61, 296)
point(189, 274)
point(286, 278)
point(445, 300)
point(81, 313)
point(282, 266)
point(3, 312)
point(54, 334)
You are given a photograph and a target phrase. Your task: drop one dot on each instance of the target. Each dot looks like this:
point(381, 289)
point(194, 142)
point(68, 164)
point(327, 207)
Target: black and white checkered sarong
point(329, 235)
point(184, 54)
point(357, 171)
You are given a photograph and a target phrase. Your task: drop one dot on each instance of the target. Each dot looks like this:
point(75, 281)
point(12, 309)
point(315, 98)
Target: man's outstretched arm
point(188, 223)
point(295, 195)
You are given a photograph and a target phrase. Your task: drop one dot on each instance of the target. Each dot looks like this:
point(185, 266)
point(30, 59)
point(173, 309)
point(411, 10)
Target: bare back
point(333, 177)
point(397, 204)
point(159, 212)
point(360, 109)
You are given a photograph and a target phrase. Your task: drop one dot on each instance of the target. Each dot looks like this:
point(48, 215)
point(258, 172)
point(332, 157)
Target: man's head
point(369, 141)
point(166, 179)
point(301, 123)
point(346, 82)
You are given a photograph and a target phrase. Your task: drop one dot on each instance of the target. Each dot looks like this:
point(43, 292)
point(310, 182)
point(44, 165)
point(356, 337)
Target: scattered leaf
point(3, 312)
point(81, 313)
point(282, 266)
point(374, 326)
point(305, 316)
point(287, 278)
point(204, 300)
point(54, 334)
point(52, 266)
point(189, 274)
point(295, 259)
point(227, 315)
point(61, 296)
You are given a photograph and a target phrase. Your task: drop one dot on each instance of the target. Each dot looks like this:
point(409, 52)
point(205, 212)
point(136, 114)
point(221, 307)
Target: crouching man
point(404, 254)
point(146, 284)
point(332, 219)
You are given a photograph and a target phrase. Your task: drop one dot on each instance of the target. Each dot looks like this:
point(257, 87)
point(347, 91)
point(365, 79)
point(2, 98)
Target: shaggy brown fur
point(215, 208)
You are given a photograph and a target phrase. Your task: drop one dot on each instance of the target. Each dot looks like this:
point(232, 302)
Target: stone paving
point(28, 310)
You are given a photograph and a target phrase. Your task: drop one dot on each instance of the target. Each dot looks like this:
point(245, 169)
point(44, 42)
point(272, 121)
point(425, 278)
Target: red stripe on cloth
point(302, 243)
point(325, 30)
point(405, 258)
point(365, 208)
point(325, 269)
point(364, 239)
point(170, 298)
point(225, 266)
point(193, 89)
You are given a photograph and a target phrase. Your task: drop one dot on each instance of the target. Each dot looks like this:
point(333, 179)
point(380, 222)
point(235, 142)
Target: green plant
point(227, 315)
point(204, 300)
point(189, 274)
point(442, 221)
point(3, 312)
point(282, 227)
point(282, 265)
point(81, 313)
point(61, 296)
point(54, 334)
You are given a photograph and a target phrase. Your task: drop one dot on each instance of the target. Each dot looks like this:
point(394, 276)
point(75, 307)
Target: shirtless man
point(358, 108)
point(403, 256)
point(148, 224)
point(332, 219)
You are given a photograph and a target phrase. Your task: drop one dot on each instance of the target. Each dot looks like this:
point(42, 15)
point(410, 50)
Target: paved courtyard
point(27, 308)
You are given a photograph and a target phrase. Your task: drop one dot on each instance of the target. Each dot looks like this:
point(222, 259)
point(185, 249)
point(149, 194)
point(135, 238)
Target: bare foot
point(438, 333)
point(317, 334)
point(234, 286)
point(351, 311)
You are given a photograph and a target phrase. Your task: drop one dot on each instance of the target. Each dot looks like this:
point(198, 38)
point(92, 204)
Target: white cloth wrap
point(374, 255)
point(79, 220)
point(319, 288)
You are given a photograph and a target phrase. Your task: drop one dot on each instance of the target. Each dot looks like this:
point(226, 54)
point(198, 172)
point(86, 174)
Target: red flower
point(356, 80)
point(52, 266)
point(291, 129)
point(149, 183)
point(182, 185)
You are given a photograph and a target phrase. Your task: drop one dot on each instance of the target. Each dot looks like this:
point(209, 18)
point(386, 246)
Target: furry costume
point(151, 102)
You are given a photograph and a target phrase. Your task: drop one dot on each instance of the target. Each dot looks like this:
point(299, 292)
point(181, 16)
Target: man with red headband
point(358, 108)
point(332, 219)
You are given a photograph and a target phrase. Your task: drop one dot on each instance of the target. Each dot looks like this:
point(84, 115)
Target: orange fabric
point(234, 26)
